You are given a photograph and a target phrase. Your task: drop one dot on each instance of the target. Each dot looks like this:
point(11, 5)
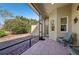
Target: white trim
point(67, 24)
point(33, 8)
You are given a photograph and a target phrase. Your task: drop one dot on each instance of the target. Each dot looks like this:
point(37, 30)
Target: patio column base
point(41, 38)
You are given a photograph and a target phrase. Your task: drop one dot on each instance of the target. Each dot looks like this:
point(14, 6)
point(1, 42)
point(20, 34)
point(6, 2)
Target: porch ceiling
point(46, 9)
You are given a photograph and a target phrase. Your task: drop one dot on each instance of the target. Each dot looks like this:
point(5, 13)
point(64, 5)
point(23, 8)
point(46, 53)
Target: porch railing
point(16, 43)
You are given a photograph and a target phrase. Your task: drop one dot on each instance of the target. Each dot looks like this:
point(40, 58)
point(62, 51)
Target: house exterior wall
point(64, 11)
point(75, 26)
point(56, 15)
point(71, 12)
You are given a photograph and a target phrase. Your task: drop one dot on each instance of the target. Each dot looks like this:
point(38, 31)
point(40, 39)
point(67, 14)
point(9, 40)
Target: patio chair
point(74, 50)
point(66, 39)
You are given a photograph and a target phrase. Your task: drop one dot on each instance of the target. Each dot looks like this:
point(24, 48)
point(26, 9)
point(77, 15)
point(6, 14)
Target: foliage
point(19, 25)
point(16, 26)
point(28, 21)
point(2, 33)
point(4, 13)
point(33, 21)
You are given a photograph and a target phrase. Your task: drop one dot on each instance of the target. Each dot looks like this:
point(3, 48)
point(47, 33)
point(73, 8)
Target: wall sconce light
point(46, 17)
point(77, 8)
point(75, 20)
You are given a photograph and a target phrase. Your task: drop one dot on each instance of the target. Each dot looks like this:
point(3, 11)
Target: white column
point(40, 26)
point(43, 26)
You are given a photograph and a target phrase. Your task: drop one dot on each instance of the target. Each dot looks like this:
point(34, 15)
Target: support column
point(43, 27)
point(46, 27)
point(41, 33)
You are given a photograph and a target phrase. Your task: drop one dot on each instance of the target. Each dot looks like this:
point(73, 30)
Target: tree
point(34, 21)
point(28, 21)
point(19, 25)
point(5, 13)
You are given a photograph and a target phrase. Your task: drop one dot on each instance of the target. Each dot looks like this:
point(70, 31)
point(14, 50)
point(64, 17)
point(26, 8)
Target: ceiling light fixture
point(52, 3)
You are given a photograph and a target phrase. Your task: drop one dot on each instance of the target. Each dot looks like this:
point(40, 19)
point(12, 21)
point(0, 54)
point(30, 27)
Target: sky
point(19, 9)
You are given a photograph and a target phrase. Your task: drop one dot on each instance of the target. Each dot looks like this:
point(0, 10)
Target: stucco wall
point(35, 30)
point(33, 27)
point(75, 26)
point(61, 12)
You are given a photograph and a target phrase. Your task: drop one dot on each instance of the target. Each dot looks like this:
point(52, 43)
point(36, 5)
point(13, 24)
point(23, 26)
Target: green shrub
point(18, 30)
point(17, 26)
point(2, 33)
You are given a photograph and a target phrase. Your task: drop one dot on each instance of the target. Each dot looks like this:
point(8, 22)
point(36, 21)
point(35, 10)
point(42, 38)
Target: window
point(52, 25)
point(63, 24)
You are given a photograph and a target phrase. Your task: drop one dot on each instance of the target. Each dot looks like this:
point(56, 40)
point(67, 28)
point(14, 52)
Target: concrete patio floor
point(47, 47)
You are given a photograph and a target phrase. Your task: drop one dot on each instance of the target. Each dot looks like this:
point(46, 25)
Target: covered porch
point(55, 20)
point(51, 27)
